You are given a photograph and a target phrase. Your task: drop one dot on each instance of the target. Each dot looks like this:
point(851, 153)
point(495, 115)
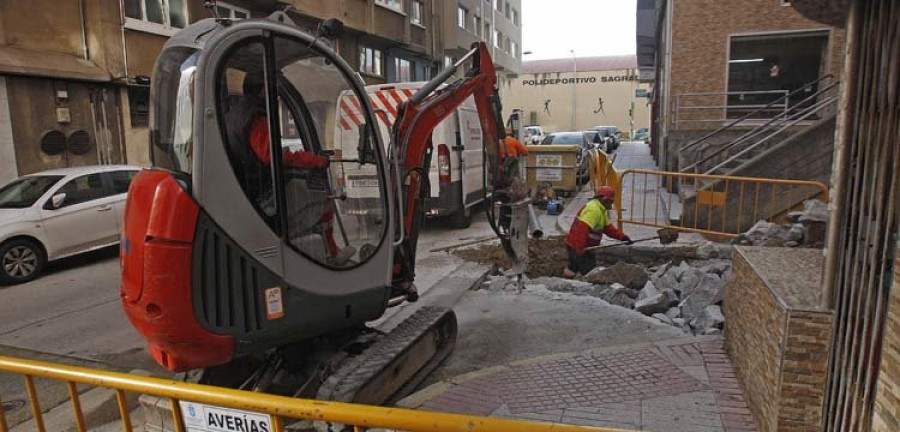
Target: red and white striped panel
point(384, 102)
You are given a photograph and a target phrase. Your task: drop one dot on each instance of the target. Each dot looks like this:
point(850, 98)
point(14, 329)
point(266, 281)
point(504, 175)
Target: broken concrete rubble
point(710, 318)
point(663, 318)
point(657, 303)
point(806, 229)
point(677, 292)
point(631, 275)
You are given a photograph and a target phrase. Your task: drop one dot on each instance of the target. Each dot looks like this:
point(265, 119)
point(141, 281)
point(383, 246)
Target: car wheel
point(461, 219)
point(21, 260)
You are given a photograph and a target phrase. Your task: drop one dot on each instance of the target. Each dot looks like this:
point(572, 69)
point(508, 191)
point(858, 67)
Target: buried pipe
point(534, 224)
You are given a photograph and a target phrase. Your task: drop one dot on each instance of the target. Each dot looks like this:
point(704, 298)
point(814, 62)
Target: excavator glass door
point(294, 178)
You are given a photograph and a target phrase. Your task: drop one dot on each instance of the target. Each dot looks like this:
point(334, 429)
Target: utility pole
point(574, 87)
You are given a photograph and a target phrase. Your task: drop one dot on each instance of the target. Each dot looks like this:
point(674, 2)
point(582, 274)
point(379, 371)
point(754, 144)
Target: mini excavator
point(275, 223)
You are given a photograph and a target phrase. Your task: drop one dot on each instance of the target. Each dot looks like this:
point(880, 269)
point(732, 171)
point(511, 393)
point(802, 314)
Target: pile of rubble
point(805, 228)
point(683, 296)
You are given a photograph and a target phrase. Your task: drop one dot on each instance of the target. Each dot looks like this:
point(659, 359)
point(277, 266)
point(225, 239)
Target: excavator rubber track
point(396, 364)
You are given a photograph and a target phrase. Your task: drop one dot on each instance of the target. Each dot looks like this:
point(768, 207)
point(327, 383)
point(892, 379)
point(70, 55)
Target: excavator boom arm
point(418, 117)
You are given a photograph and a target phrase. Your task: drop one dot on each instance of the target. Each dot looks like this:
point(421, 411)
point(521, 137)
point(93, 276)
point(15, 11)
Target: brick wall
point(777, 337)
point(700, 38)
point(886, 417)
point(755, 328)
point(804, 371)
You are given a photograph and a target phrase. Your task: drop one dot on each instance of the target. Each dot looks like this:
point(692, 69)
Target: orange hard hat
point(606, 192)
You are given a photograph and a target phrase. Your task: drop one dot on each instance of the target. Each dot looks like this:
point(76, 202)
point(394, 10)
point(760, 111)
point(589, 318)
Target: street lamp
point(574, 86)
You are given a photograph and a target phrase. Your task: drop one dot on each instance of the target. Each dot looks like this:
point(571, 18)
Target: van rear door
point(470, 147)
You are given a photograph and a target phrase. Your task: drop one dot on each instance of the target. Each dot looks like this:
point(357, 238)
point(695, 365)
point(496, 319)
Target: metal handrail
point(805, 114)
point(679, 107)
point(278, 407)
point(750, 115)
point(789, 119)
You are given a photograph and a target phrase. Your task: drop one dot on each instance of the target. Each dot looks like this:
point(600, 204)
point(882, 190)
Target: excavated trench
point(546, 257)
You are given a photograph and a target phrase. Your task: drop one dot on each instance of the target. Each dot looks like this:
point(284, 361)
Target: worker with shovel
point(587, 230)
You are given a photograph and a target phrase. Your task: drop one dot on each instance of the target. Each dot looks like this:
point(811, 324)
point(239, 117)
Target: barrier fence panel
point(601, 169)
point(708, 204)
point(275, 411)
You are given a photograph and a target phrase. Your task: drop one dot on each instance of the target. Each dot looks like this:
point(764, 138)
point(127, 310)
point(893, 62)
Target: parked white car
point(58, 213)
point(533, 135)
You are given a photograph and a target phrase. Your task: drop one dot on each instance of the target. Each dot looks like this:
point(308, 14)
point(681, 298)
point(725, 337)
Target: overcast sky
point(550, 28)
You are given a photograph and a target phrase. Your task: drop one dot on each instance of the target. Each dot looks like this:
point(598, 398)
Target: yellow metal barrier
point(708, 204)
point(278, 407)
point(602, 171)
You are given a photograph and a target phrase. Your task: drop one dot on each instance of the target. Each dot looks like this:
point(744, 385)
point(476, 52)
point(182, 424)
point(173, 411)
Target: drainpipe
point(124, 46)
point(842, 140)
point(84, 45)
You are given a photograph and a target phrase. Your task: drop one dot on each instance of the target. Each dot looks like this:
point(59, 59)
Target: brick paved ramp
point(681, 385)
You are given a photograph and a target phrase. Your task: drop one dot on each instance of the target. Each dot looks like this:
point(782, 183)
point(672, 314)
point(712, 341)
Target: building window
point(765, 66)
point(497, 4)
point(415, 12)
point(448, 61)
point(404, 70)
point(139, 105)
point(508, 12)
point(487, 31)
point(515, 18)
point(225, 10)
point(462, 17)
point(156, 16)
point(498, 38)
point(477, 22)
point(514, 49)
point(396, 5)
point(370, 61)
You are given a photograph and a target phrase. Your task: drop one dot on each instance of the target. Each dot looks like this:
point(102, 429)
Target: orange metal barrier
point(602, 171)
point(275, 408)
point(708, 204)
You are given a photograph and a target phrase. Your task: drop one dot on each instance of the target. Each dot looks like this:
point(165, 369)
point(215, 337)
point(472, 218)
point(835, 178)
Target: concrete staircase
point(796, 145)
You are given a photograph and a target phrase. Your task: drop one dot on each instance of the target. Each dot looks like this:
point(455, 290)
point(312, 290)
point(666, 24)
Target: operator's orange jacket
point(588, 228)
point(512, 147)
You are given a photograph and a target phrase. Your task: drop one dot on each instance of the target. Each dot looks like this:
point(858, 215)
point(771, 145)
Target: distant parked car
point(59, 213)
point(642, 134)
point(611, 133)
point(573, 138)
point(597, 140)
point(533, 135)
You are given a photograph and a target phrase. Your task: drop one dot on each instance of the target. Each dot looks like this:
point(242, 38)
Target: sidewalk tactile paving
point(662, 387)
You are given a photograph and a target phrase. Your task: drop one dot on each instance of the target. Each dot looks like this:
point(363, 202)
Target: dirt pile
point(546, 257)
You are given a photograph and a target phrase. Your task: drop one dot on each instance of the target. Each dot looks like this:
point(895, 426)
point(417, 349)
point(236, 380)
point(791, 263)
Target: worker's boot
point(568, 274)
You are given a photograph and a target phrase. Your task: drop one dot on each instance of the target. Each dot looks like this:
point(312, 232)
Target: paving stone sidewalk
point(681, 385)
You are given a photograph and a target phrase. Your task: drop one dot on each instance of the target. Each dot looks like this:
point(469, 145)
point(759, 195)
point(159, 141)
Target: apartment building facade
point(495, 22)
point(75, 74)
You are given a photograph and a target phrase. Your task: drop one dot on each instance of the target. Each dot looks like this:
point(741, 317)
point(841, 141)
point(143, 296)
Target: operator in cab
point(587, 231)
point(248, 129)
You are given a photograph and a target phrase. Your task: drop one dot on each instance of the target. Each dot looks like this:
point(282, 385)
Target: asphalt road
point(72, 315)
point(73, 310)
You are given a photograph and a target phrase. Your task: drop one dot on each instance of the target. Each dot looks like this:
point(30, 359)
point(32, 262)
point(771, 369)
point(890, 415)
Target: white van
point(456, 176)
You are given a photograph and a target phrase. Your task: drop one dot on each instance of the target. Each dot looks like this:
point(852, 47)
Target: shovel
point(665, 236)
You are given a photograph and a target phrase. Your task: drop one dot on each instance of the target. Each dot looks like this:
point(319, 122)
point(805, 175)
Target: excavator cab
point(246, 235)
